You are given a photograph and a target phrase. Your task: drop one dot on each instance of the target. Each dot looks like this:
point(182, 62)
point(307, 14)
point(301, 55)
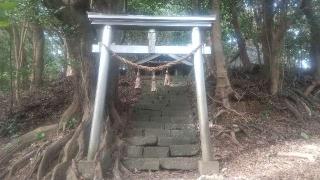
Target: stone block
point(135, 132)
point(155, 152)
point(142, 118)
point(147, 124)
point(157, 132)
point(142, 140)
point(186, 133)
point(208, 167)
point(179, 126)
point(134, 151)
point(167, 141)
point(184, 150)
point(142, 163)
point(179, 163)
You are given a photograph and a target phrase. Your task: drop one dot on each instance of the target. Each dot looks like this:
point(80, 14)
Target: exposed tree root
point(59, 171)
point(98, 172)
point(293, 110)
point(106, 140)
point(229, 109)
point(56, 164)
point(75, 171)
point(115, 171)
point(21, 163)
point(309, 89)
point(309, 100)
point(301, 106)
point(118, 168)
point(3, 174)
point(24, 141)
point(70, 151)
point(306, 107)
point(118, 124)
point(229, 133)
point(50, 155)
point(70, 112)
point(35, 163)
point(81, 145)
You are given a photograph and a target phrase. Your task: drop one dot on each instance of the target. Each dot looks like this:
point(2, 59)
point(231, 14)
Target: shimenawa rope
point(147, 68)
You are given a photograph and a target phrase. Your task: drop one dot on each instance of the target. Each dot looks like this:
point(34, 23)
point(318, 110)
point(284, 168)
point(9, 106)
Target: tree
point(272, 35)
point(309, 8)
point(233, 10)
point(38, 52)
point(223, 86)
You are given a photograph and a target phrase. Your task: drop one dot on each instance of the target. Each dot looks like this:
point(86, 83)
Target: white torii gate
point(195, 24)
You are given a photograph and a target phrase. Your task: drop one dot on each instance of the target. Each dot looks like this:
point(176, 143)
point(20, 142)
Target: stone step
point(152, 164)
point(160, 132)
point(147, 113)
point(172, 119)
point(142, 140)
point(164, 117)
point(160, 163)
point(183, 133)
point(162, 125)
point(184, 150)
point(147, 124)
point(168, 133)
point(178, 163)
point(178, 140)
point(134, 151)
point(152, 140)
point(155, 152)
point(135, 132)
point(173, 110)
point(179, 126)
point(157, 132)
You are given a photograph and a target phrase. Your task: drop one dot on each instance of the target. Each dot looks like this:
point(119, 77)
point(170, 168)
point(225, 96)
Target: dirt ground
point(39, 108)
point(257, 138)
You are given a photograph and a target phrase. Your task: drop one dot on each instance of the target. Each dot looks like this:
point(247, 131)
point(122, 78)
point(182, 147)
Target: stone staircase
point(162, 134)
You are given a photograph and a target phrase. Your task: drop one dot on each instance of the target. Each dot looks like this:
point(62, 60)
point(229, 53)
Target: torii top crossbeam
point(159, 22)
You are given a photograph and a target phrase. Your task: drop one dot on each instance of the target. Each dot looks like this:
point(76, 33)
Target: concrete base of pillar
point(208, 167)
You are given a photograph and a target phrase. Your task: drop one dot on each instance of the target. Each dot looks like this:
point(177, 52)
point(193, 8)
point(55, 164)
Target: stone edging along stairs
point(162, 134)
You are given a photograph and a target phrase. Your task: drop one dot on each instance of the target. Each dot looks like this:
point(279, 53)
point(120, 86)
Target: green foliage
point(40, 135)
point(71, 123)
point(5, 65)
point(6, 6)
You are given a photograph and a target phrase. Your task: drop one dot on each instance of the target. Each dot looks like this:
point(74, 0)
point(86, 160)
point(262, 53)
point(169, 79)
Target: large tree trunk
point(275, 67)
point(240, 40)
point(19, 35)
point(272, 38)
point(223, 87)
point(266, 31)
point(308, 8)
point(68, 70)
point(37, 64)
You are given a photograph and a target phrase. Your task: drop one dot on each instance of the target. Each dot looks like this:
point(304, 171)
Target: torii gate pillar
point(206, 164)
point(99, 103)
point(201, 97)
